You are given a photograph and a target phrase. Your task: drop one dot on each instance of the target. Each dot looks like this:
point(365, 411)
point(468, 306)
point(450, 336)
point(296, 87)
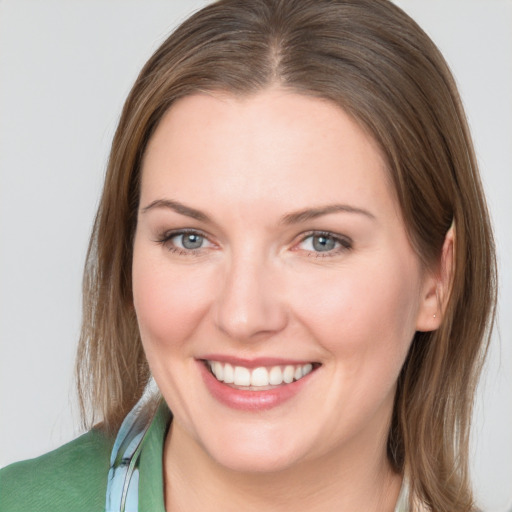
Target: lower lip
point(248, 400)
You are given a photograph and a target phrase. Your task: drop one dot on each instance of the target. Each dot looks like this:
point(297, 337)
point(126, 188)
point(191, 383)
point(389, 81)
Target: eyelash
point(344, 242)
point(166, 237)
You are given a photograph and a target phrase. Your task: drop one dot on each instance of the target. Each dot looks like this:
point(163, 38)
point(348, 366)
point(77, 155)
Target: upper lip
point(254, 362)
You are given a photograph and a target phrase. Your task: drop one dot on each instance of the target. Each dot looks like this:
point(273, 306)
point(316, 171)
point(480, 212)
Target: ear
point(437, 286)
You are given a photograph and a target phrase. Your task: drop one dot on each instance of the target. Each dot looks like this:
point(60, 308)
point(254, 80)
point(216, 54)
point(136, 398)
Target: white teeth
point(242, 376)
point(218, 370)
point(228, 374)
point(258, 377)
point(288, 374)
point(276, 376)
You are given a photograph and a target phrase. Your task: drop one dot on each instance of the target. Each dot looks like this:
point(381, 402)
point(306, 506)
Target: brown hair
point(375, 62)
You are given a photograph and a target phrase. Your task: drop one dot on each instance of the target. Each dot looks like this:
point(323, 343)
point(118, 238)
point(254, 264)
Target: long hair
point(370, 58)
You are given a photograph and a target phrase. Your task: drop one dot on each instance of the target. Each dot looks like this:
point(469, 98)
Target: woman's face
point(270, 246)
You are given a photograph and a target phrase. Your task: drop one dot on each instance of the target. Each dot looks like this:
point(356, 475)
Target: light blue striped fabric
point(123, 476)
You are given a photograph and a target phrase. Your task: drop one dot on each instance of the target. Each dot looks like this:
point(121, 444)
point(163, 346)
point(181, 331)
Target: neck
point(359, 479)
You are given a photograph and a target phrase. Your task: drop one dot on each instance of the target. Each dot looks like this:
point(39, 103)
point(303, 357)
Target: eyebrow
point(313, 213)
point(178, 208)
point(289, 218)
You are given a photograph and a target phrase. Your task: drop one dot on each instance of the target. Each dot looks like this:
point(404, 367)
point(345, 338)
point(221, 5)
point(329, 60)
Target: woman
point(293, 242)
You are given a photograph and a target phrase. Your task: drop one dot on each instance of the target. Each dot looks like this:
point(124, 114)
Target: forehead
point(274, 145)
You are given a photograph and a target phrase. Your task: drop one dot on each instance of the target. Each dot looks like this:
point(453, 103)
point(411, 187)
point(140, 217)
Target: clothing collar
point(135, 478)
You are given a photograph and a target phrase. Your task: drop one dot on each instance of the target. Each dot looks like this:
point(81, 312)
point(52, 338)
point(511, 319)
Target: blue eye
point(324, 243)
point(184, 242)
point(188, 240)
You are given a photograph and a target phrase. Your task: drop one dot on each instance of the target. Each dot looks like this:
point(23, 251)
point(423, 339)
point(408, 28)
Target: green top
point(74, 477)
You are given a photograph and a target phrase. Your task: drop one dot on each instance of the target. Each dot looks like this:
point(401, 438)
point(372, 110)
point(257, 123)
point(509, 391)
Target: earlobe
point(437, 287)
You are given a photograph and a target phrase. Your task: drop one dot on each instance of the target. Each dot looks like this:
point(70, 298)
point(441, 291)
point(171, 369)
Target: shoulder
point(73, 477)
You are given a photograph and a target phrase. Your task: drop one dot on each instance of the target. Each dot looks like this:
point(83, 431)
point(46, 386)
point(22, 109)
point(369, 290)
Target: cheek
point(168, 302)
point(363, 312)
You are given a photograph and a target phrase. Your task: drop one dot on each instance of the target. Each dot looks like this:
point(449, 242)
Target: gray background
point(65, 69)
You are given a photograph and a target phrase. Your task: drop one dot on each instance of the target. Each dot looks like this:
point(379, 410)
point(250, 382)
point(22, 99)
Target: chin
point(255, 461)
point(258, 453)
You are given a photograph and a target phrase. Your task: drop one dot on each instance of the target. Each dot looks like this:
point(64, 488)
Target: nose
point(250, 303)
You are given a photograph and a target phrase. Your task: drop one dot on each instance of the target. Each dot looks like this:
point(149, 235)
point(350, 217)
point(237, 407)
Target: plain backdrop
point(65, 68)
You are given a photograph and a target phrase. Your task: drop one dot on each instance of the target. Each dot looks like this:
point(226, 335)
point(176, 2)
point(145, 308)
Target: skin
point(258, 288)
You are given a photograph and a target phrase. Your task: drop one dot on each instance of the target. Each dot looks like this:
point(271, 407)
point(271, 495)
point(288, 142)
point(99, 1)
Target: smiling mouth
point(260, 378)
